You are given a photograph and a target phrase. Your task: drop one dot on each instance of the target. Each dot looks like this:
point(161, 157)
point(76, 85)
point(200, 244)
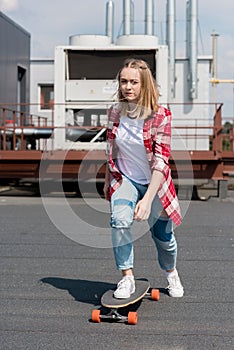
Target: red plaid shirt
point(157, 140)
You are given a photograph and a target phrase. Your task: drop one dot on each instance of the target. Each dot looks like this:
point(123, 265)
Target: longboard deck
point(109, 301)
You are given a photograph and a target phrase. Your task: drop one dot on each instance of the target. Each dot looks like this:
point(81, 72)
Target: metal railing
point(24, 131)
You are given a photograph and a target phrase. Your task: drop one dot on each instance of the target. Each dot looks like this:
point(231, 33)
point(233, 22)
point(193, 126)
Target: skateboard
point(110, 302)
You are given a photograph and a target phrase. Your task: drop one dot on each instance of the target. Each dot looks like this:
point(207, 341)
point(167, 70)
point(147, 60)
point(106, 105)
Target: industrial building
point(14, 64)
point(64, 132)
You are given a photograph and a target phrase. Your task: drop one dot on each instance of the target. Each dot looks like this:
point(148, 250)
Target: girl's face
point(130, 84)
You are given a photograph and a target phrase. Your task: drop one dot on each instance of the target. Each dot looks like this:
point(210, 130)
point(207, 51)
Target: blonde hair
point(149, 95)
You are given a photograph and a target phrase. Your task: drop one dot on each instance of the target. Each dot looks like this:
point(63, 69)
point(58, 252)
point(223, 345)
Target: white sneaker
point(175, 288)
point(125, 288)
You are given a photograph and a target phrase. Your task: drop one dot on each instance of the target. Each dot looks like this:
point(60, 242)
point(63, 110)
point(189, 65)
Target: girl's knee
point(122, 213)
point(163, 230)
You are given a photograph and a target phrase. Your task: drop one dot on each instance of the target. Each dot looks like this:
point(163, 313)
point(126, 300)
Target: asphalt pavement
point(52, 278)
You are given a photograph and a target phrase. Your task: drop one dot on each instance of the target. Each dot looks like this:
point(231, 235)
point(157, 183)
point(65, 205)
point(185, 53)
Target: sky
point(52, 22)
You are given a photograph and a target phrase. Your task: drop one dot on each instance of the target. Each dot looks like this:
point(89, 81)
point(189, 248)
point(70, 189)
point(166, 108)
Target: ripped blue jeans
point(123, 202)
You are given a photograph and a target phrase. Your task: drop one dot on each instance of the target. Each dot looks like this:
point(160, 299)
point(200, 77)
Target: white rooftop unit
point(85, 84)
point(85, 77)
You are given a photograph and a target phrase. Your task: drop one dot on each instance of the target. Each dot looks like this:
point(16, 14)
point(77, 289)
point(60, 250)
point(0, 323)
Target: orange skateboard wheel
point(132, 317)
point(155, 294)
point(96, 316)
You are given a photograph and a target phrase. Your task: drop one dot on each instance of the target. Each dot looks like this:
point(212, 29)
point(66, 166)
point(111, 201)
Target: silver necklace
point(134, 113)
point(132, 116)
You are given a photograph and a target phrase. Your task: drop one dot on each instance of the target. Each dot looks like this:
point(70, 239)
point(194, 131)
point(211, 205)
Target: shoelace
point(172, 282)
point(122, 283)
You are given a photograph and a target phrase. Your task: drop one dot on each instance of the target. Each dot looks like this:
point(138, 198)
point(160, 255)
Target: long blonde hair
point(149, 95)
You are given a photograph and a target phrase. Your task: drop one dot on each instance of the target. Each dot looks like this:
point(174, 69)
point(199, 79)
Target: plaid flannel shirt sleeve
point(109, 134)
point(161, 137)
point(113, 122)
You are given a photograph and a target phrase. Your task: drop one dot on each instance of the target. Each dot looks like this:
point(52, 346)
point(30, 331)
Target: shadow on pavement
point(89, 292)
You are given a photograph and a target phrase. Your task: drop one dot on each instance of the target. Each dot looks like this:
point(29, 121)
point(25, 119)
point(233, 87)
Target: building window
point(46, 96)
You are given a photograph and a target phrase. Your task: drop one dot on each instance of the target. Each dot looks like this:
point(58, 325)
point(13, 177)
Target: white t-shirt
point(131, 157)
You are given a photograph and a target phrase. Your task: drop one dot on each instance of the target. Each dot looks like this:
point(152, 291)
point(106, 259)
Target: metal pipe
point(171, 44)
point(149, 17)
point(132, 19)
point(126, 17)
point(192, 17)
point(187, 29)
point(85, 135)
point(36, 133)
point(110, 19)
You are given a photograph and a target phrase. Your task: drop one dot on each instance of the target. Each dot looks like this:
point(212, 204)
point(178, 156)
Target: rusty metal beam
point(91, 164)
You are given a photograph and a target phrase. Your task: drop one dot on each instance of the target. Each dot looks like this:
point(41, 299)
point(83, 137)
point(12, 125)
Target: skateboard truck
point(114, 315)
